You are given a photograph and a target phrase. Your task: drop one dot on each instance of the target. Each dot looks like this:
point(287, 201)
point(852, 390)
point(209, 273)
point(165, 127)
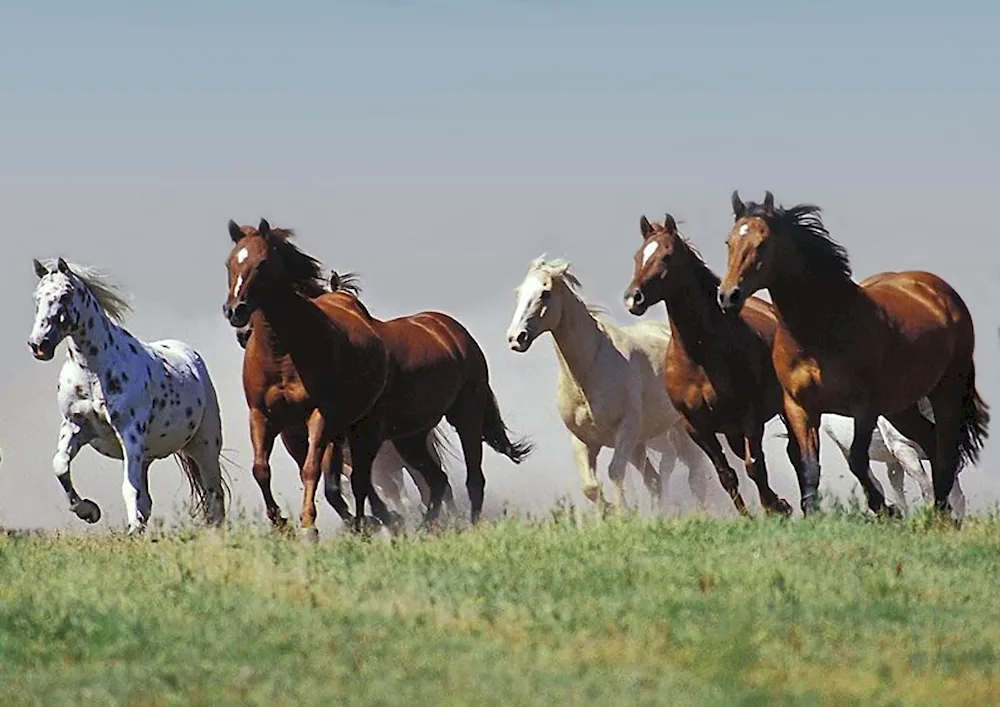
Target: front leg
point(133, 484)
point(803, 437)
point(586, 462)
point(262, 435)
point(626, 437)
point(72, 438)
point(860, 465)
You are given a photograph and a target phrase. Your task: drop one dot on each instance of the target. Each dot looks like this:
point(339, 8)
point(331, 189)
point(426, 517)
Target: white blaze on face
point(648, 251)
point(528, 295)
point(239, 284)
point(743, 229)
point(241, 256)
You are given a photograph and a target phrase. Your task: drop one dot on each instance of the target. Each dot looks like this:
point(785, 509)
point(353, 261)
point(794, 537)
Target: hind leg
point(650, 476)
point(387, 475)
point(204, 451)
point(467, 416)
point(894, 470)
point(413, 449)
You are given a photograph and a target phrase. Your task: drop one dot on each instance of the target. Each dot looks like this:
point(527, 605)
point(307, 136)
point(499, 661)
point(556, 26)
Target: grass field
point(835, 610)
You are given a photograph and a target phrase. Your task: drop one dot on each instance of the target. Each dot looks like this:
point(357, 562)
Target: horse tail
point(975, 420)
point(495, 433)
point(192, 474)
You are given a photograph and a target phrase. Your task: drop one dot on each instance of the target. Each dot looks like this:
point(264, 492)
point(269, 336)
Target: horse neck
point(577, 337)
point(98, 343)
point(696, 322)
point(808, 303)
point(287, 321)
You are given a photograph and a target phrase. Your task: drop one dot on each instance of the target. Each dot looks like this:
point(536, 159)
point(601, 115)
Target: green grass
point(835, 610)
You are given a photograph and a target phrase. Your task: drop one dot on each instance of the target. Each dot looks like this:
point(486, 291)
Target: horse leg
point(132, 485)
point(467, 415)
point(709, 444)
point(413, 449)
point(586, 462)
point(262, 434)
point(387, 475)
point(449, 494)
point(203, 451)
point(650, 476)
point(332, 470)
point(804, 427)
point(756, 469)
point(72, 438)
point(626, 437)
point(860, 465)
point(957, 498)
point(310, 471)
point(894, 470)
point(365, 441)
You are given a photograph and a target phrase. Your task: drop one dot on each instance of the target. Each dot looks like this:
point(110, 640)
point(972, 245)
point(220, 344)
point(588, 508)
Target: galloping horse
point(609, 389)
point(387, 467)
point(865, 349)
point(125, 398)
point(434, 369)
point(718, 369)
point(313, 361)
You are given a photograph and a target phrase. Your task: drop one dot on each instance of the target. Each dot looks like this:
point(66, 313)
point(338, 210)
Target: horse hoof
point(782, 507)
point(309, 535)
point(86, 510)
point(891, 512)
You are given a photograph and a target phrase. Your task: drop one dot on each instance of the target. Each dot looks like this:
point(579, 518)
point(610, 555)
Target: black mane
point(804, 224)
point(303, 271)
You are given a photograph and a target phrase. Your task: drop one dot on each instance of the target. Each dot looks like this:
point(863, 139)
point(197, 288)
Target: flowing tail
point(495, 434)
point(199, 495)
point(975, 421)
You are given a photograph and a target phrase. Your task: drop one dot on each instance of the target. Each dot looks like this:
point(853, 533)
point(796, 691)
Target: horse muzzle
point(731, 299)
point(42, 351)
point(519, 341)
point(238, 315)
point(635, 302)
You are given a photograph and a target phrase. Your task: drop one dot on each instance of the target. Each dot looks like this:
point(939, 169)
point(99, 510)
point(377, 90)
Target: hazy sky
point(437, 147)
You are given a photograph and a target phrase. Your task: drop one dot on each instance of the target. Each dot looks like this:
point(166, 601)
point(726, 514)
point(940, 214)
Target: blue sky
point(439, 146)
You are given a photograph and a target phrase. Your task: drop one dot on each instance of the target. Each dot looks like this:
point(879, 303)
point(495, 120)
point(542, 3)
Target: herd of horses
point(884, 365)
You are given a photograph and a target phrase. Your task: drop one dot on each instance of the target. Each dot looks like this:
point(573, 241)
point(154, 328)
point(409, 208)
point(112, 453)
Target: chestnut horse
point(718, 369)
point(865, 349)
point(314, 361)
point(434, 369)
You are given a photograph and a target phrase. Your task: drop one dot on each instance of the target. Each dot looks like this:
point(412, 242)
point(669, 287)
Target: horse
point(718, 369)
point(127, 399)
point(433, 368)
point(609, 388)
point(899, 454)
point(313, 371)
point(388, 465)
point(865, 349)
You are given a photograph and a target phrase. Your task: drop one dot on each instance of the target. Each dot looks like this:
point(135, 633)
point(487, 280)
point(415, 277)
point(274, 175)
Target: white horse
point(610, 390)
point(900, 455)
point(127, 399)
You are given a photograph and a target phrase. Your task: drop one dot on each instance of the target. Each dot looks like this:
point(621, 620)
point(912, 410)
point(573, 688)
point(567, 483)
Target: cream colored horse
point(610, 390)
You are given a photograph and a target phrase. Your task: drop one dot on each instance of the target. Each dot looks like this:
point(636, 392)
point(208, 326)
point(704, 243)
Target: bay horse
point(388, 465)
point(718, 371)
point(127, 399)
point(877, 347)
point(609, 386)
point(313, 371)
point(433, 369)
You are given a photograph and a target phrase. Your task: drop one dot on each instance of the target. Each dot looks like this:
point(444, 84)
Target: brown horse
point(295, 438)
point(314, 361)
point(864, 349)
point(718, 368)
point(435, 369)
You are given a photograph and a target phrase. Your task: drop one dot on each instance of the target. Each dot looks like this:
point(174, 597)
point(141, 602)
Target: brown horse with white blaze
point(718, 371)
point(864, 349)
point(434, 369)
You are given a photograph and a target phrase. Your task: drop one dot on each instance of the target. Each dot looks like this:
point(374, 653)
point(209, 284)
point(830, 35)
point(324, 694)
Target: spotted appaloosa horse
point(862, 349)
point(127, 399)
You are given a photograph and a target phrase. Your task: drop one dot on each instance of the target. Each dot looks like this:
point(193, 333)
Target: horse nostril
point(239, 311)
point(522, 338)
point(637, 297)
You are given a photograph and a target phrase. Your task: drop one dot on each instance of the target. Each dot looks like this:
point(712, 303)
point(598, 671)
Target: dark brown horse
point(860, 349)
point(435, 369)
point(314, 361)
point(295, 438)
point(718, 368)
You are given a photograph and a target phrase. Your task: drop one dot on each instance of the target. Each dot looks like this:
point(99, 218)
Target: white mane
point(111, 297)
point(560, 269)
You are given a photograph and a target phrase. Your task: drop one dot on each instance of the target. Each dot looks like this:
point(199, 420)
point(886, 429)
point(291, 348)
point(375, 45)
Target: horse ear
point(62, 266)
point(645, 227)
point(40, 269)
point(768, 203)
point(264, 228)
point(669, 224)
point(739, 208)
point(235, 232)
